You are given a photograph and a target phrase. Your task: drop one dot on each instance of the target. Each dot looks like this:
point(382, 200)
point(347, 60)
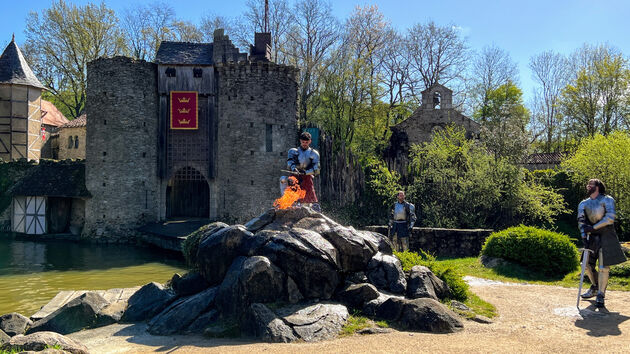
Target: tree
point(437, 54)
point(504, 128)
point(457, 184)
point(594, 98)
point(606, 158)
point(63, 39)
point(491, 68)
point(310, 40)
point(550, 70)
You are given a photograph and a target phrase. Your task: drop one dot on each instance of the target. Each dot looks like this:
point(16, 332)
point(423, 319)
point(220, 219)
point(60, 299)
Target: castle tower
point(20, 107)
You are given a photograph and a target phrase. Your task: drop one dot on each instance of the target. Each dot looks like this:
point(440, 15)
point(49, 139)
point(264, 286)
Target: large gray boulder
point(261, 221)
point(80, 313)
point(217, 252)
point(41, 340)
point(309, 323)
point(250, 280)
point(312, 323)
point(423, 314)
point(14, 323)
point(148, 301)
point(313, 269)
point(423, 283)
point(385, 272)
point(357, 295)
point(189, 284)
point(263, 323)
point(203, 321)
point(181, 313)
point(353, 249)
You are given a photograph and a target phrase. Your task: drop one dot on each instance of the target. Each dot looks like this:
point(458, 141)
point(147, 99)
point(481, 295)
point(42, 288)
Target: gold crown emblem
point(184, 121)
point(183, 99)
point(183, 110)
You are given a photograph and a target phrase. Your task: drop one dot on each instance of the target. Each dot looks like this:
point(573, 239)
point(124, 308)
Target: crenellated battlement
point(259, 68)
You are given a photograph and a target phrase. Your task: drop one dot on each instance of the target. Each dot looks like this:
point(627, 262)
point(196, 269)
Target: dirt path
point(532, 318)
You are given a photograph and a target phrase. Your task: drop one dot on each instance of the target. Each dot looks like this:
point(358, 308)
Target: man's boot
point(591, 292)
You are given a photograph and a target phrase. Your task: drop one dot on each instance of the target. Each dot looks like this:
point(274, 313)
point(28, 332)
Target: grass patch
point(354, 324)
point(357, 322)
point(479, 306)
point(518, 274)
point(13, 350)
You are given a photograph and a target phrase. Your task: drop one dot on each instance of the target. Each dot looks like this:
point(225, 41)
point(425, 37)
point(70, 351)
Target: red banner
point(184, 110)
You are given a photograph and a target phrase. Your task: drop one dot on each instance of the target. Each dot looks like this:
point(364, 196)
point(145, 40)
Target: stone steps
point(63, 297)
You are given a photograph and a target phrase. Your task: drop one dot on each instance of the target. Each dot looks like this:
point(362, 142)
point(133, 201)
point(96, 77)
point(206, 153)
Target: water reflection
point(32, 273)
point(19, 256)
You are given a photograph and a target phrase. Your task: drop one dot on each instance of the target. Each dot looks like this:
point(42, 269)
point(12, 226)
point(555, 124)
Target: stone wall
point(69, 148)
point(444, 242)
point(121, 151)
point(253, 99)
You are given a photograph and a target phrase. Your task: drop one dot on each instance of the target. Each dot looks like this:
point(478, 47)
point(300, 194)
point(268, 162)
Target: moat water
point(32, 273)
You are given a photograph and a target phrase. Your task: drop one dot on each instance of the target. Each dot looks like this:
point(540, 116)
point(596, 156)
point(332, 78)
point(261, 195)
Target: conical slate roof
point(14, 69)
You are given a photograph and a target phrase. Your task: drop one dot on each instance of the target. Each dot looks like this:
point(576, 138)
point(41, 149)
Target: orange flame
point(292, 194)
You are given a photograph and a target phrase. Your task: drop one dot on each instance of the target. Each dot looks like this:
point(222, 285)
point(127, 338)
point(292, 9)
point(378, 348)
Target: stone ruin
point(287, 275)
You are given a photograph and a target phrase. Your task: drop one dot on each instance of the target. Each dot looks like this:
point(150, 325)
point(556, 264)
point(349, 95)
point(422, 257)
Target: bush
point(451, 276)
point(542, 251)
point(621, 270)
point(457, 184)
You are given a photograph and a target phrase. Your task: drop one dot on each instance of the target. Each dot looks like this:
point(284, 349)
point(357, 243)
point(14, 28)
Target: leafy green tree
point(504, 119)
point(62, 40)
point(595, 98)
point(606, 158)
point(458, 184)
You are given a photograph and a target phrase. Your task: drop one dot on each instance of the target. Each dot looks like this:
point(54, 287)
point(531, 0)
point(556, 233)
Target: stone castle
point(140, 170)
point(203, 132)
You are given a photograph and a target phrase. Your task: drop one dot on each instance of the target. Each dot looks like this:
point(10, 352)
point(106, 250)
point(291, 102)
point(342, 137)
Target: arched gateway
point(187, 194)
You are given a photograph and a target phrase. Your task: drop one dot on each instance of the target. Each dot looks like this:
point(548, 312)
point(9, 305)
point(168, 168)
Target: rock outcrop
point(42, 340)
point(14, 323)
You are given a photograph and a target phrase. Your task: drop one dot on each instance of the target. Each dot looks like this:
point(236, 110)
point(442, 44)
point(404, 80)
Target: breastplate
point(399, 212)
point(594, 209)
point(304, 159)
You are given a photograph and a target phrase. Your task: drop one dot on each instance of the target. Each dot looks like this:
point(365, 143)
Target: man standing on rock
point(401, 221)
point(596, 217)
point(304, 162)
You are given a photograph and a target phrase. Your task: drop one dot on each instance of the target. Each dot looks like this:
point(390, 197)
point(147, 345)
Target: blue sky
point(523, 28)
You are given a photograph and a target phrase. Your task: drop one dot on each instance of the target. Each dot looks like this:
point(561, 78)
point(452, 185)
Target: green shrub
point(449, 274)
point(540, 250)
point(620, 270)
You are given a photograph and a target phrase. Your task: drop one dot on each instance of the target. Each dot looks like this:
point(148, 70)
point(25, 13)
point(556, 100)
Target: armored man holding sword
point(596, 217)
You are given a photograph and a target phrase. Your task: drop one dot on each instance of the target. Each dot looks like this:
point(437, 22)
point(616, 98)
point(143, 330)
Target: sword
point(585, 252)
point(297, 173)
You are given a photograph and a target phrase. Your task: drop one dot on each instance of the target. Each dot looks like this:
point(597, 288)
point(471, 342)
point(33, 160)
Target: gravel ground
point(532, 318)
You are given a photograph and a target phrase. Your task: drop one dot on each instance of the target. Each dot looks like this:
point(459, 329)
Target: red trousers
point(306, 183)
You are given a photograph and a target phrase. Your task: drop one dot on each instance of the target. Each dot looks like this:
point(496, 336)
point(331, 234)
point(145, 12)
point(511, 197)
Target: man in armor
point(303, 161)
point(596, 217)
point(401, 221)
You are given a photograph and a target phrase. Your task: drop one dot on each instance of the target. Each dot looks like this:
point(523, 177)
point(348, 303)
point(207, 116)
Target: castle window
point(70, 142)
point(104, 121)
point(197, 72)
point(268, 137)
point(104, 153)
point(170, 72)
point(76, 142)
point(144, 154)
point(251, 124)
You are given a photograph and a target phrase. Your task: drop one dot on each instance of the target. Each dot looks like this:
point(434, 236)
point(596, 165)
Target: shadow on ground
point(138, 334)
point(600, 322)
